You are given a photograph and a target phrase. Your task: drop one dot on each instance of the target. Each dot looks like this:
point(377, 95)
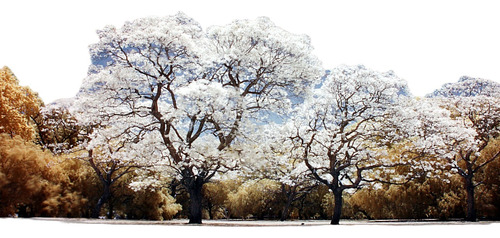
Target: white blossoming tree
point(110, 156)
point(273, 158)
point(450, 134)
point(468, 87)
point(182, 97)
point(340, 132)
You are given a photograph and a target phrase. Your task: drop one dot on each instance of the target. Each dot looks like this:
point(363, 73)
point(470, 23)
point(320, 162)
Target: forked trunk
point(337, 209)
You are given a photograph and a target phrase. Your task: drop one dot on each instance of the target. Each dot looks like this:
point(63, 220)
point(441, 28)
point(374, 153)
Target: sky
point(428, 42)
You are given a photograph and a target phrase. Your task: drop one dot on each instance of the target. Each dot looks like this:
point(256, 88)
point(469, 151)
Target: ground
point(57, 227)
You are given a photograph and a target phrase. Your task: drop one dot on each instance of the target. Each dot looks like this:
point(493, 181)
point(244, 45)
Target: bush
point(255, 198)
point(34, 182)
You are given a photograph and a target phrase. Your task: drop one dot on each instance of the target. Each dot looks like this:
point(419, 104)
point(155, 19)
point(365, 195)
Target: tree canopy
point(241, 121)
point(18, 105)
point(174, 95)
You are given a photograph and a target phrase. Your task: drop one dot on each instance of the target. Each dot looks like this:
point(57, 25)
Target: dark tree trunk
point(286, 210)
point(290, 195)
point(194, 187)
point(210, 207)
point(110, 208)
point(471, 203)
point(106, 195)
point(23, 211)
point(337, 209)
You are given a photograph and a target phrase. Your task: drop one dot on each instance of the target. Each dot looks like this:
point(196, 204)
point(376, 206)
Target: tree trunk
point(210, 207)
point(195, 196)
point(337, 209)
point(110, 208)
point(471, 203)
point(286, 209)
point(290, 196)
point(102, 200)
point(24, 211)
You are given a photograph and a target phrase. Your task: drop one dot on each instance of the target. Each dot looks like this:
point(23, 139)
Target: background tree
point(421, 198)
point(34, 182)
point(57, 128)
point(216, 196)
point(151, 202)
point(340, 133)
point(257, 198)
point(272, 158)
point(488, 194)
point(468, 87)
point(163, 79)
point(449, 137)
point(112, 158)
point(473, 103)
point(294, 188)
point(61, 133)
point(17, 105)
point(482, 115)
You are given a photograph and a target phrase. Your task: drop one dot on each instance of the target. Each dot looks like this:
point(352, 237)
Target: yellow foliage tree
point(34, 182)
point(149, 204)
point(216, 194)
point(18, 105)
point(419, 199)
point(255, 198)
point(488, 194)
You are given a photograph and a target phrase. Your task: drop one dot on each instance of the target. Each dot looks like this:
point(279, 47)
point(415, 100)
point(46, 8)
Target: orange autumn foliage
point(34, 182)
point(18, 105)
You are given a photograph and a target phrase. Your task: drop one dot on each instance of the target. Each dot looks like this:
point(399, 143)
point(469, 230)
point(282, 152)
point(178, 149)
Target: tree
point(481, 115)
point(17, 105)
point(255, 198)
point(216, 195)
point(488, 194)
point(422, 198)
point(272, 159)
point(450, 135)
point(112, 158)
point(191, 95)
point(468, 87)
point(137, 202)
point(34, 182)
point(57, 129)
point(151, 204)
point(340, 131)
point(61, 133)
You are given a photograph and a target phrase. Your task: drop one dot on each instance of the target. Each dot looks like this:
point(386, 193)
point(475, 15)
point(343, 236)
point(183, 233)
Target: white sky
point(428, 43)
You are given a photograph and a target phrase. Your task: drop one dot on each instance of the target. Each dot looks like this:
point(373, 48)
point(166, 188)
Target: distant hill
point(468, 87)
